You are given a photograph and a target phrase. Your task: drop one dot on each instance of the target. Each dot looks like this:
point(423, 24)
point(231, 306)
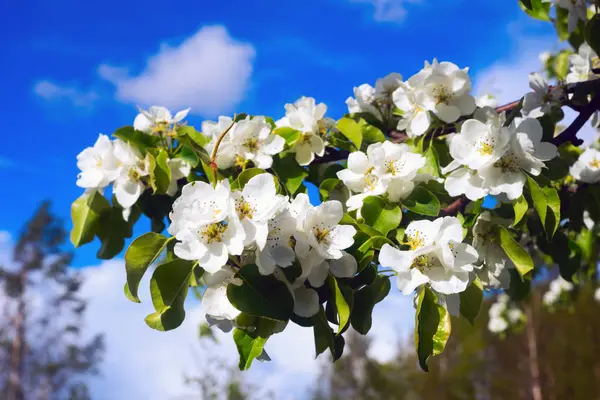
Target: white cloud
point(209, 71)
point(388, 10)
point(56, 92)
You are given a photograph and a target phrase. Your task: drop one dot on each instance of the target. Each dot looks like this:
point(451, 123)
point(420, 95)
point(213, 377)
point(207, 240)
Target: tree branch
point(570, 134)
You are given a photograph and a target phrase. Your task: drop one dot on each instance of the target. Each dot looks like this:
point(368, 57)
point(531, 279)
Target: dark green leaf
point(160, 173)
point(189, 156)
point(364, 302)
point(262, 296)
point(289, 172)
point(422, 201)
point(168, 288)
point(539, 9)
point(324, 335)
point(111, 232)
point(245, 176)
point(341, 300)
point(592, 33)
point(380, 214)
point(140, 140)
point(470, 301)
point(432, 327)
point(333, 189)
point(142, 252)
point(544, 199)
point(197, 137)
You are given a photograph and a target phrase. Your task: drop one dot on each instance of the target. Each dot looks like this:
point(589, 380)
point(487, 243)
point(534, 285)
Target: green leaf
point(422, 201)
point(160, 173)
point(142, 252)
point(527, 4)
point(520, 207)
point(249, 347)
point(545, 198)
point(112, 233)
point(210, 173)
point(197, 137)
point(341, 302)
point(592, 33)
point(538, 9)
point(518, 255)
point(371, 134)
point(168, 288)
point(432, 327)
point(245, 176)
point(470, 301)
point(364, 303)
point(140, 140)
point(290, 135)
point(380, 214)
point(333, 189)
point(432, 163)
point(289, 172)
point(261, 296)
point(352, 130)
point(189, 156)
point(85, 214)
point(561, 69)
point(324, 335)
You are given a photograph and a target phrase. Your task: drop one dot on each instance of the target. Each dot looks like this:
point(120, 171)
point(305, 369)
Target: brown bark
point(534, 367)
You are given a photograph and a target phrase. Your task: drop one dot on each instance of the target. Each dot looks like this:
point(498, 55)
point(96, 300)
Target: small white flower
point(542, 96)
point(486, 100)
point(384, 87)
point(497, 325)
point(360, 176)
point(255, 205)
point(129, 184)
point(581, 65)
point(179, 169)
point(587, 167)
point(395, 161)
point(514, 315)
point(526, 153)
point(157, 120)
point(277, 251)
point(588, 221)
point(305, 116)
point(98, 165)
point(437, 256)
point(226, 153)
point(219, 310)
point(363, 101)
point(206, 225)
point(415, 117)
point(494, 271)
point(447, 90)
point(252, 140)
point(316, 269)
point(577, 11)
point(324, 234)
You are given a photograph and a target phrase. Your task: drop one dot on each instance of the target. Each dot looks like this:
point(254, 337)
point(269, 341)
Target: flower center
point(322, 235)
point(507, 164)
point(252, 144)
point(442, 94)
point(244, 209)
point(133, 174)
point(595, 163)
point(160, 127)
point(416, 241)
point(392, 167)
point(214, 232)
point(485, 149)
point(422, 263)
point(370, 182)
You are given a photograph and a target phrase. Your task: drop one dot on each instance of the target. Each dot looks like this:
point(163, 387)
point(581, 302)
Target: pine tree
point(42, 352)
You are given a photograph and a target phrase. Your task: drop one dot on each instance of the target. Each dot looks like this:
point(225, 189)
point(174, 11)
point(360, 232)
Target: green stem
point(216, 149)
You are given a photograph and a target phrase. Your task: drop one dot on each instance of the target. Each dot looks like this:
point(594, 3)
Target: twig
point(570, 134)
point(213, 157)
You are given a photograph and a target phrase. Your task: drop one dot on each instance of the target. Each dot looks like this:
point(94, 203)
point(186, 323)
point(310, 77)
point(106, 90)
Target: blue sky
point(320, 48)
point(73, 69)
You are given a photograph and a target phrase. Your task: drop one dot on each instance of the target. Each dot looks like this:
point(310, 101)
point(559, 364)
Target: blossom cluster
point(557, 288)
point(224, 229)
point(503, 315)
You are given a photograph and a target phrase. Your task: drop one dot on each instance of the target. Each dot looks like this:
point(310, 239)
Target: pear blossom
point(277, 251)
point(556, 288)
point(360, 176)
point(436, 256)
point(133, 169)
point(542, 96)
point(526, 153)
point(219, 310)
point(253, 141)
point(98, 165)
point(179, 169)
point(597, 295)
point(497, 325)
point(494, 271)
point(305, 116)
point(486, 100)
point(226, 155)
point(447, 91)
point(587, 167)
point(255, 205)
point(157, 120)
point(577, 11)
point(206, 226)
point(415, 117)
point(363, 101)
point(502, 315)
point(582, 64)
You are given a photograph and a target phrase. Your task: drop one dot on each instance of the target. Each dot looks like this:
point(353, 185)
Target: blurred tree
point(42, 352)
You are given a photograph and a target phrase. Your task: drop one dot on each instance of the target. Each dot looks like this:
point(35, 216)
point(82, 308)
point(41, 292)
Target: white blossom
point(597, 295)
point(206, 225)
point(133, 168)
point(542, 96)
point(363, 101)
point(98, 165)
point(447, 91)
point(360, 176)
point(582, 64)
point(253, 141)
point(255, 205)
point(277, 251)
point(577, 11)
point(497, 325)
point(495, 264)
point(486, 100)
point(219, 310)
point(384, 87)
point(179, 169)
point(415, 117)
point(436, 256)
point(157, 120)
point(305, 116)
point(556, 288)
point(587, 167)
point(226, 155)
